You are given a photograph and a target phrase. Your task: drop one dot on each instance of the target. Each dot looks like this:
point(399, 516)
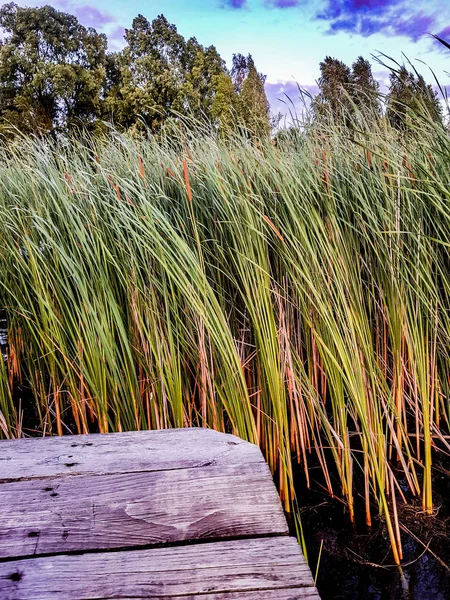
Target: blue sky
point(289, 38)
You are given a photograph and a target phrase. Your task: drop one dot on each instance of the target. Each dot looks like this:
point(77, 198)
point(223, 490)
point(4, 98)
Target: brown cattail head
point(141, 168)
point(326, 176)
point(186, 180)
point(70, 182)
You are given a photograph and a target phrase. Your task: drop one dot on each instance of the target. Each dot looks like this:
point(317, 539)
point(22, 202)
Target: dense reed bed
point(295, 294)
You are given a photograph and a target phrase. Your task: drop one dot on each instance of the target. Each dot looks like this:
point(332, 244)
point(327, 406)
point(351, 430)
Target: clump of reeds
point(296, 295)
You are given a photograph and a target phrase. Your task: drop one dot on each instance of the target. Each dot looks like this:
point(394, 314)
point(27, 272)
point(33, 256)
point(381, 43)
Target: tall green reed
point(296, 295)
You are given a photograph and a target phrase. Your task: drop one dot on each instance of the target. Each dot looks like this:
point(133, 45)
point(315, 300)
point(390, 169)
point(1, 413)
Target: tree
point(52, 70)
point(150, 72)
point(204, 69)
point(333, 100)
point(114, 108)
point(409, 97)
point(225, 104)
point(55, 74)
point(159, 72)
point(364, 88)
point(252, 104)
point(239, 71)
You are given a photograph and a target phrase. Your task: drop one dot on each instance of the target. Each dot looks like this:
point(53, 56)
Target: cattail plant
point(295, 294)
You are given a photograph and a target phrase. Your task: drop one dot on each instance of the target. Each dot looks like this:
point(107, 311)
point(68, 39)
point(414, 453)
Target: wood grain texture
point(276, 594)
point(122, 453)
point(137, 509)
point(297, 593)
point(121, 517)
point(221, 569)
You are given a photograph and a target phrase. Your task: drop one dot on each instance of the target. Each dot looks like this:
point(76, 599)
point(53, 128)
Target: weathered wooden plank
point(95, 512)
point(122, 453)
point(274, 594)
point(121, 491)
point(226, 568)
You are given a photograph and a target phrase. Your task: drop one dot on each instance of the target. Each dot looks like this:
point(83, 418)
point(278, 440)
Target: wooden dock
point(145, 515)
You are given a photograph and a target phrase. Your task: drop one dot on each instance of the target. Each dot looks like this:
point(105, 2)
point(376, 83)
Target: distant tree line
point(345, 93)
point(57, 75)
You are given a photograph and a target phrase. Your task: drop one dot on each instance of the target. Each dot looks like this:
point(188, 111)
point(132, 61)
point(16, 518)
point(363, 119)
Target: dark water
point(356, 562)
point(3, 334)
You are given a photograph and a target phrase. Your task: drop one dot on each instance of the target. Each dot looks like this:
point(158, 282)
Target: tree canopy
point(52, 69)
point(159, 71)
point(344, 91)
point(410, 96)
point(57, 75)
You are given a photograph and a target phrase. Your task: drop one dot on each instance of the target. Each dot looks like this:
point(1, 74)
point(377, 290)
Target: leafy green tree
point(52, 70)
point(151, 70)
point(409, 97)
point(55, 74)
point(203, 70)
point(114, 107)
point(345, 93)
point(252, 104)
point(253, 100)
point(239, 71)
point(159, 72)
point(364, 88)
point(225, 104)
point(333, 100)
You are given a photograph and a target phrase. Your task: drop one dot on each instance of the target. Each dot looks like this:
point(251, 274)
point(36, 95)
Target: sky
point(289, 38)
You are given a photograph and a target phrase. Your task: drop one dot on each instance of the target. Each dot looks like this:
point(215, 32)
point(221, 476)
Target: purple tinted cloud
point(284, 3)
point(117, 34)
point(281, 91)
point(116, 39)
point(445, 33)
point(414, 27)
point(364, 26)
point(286, 98)
point(235, 3)
point(371, 4)
point(92, 17)
point(366, 17)
point(348, 8)
point(89, 16)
